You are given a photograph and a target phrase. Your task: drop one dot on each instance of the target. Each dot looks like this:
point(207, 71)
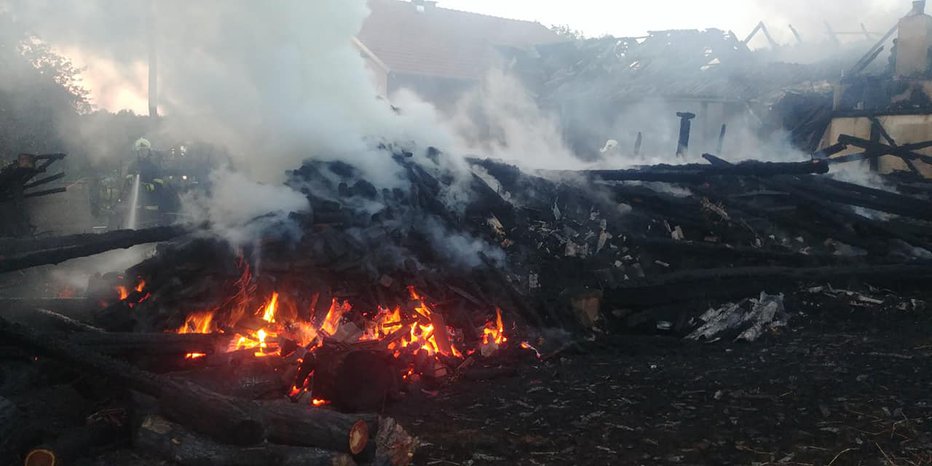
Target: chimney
point(913, 44)
point(423, 5)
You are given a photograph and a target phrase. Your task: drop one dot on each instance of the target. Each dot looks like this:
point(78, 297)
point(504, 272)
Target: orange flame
point(124, 292)
point(319, 402)
point(141, 286)
point(269, 314)
point(494, 333)
point(334, 316)
point(199, 322)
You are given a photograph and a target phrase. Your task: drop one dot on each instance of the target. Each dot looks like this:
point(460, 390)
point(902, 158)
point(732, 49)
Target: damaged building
point(731, 266)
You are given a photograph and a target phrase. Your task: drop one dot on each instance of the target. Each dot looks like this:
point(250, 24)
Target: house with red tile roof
point(438, 52)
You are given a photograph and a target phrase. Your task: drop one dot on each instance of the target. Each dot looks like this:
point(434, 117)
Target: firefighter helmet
point(142, 144)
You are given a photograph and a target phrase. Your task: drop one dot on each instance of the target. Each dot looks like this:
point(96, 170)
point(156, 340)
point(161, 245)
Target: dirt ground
point(843, 384)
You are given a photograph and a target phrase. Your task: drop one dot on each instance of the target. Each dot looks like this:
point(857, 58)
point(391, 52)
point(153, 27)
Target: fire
point(494, 333)
point(334, 316)
point(123, 291)
point(270, 309)
point(141, 286)
point(199, 322)
point(319, 402)
point(411, 329)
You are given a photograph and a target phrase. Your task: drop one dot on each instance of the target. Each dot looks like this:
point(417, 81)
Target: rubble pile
point(279, 348)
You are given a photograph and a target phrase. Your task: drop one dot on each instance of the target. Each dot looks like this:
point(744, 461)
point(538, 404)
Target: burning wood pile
point(275, 351)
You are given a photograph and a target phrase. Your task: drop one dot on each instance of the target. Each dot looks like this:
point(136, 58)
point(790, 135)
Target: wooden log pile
point(191, 424)
point(386, 291)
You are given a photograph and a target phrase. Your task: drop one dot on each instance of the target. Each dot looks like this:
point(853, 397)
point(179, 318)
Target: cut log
point(293, 424)
point(174, 443)
point(252, 380)
point(226, 419)
point(10, 420)
point(75, 308)
point(76, 443)
point(394, 445)
point(56, 250)
point(353, 379)
point(152, 343)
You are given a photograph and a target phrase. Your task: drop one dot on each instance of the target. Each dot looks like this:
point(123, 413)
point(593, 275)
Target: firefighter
point(156, 198)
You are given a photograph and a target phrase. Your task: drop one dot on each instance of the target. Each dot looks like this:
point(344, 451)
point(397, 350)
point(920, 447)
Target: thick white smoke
point(275, 83)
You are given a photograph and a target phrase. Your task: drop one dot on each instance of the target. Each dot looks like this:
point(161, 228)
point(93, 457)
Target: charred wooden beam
point(735, 252)
point(877, 149)
point(81, 309)
point(42, 181)
point(45, 192)
point(250, 381)
point(692, 285)
point(698, 172)
point(862, 196)
point(75, 246)
point(174, 443)
point(77, 442)
point(151, 343)
point(291, 424)
point(238, 422)
point(812, 196)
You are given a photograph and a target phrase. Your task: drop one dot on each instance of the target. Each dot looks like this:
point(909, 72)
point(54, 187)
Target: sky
point(632, 18)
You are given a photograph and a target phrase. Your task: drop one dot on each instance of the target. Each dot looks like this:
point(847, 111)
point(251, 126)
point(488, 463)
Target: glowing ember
point(123, 291)
point(141, 286)
point(527, 346)
point(318, 402)
point(410, 332)
point(194, 355)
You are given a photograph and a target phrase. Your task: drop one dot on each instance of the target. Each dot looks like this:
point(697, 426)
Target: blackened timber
point(198, 408)
point(293, 424)
point(226, 419)
point(702, 284)
point(76, 246)
point(76, 308)
point(77, 442)
point(840, 214)
point(151, 343)
point(45, 192)
point(877, 149)
point(741, 252)
point(43, 181)
point(174, 443)
point(875, 199)
point(829, 151)
point(699, 172)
